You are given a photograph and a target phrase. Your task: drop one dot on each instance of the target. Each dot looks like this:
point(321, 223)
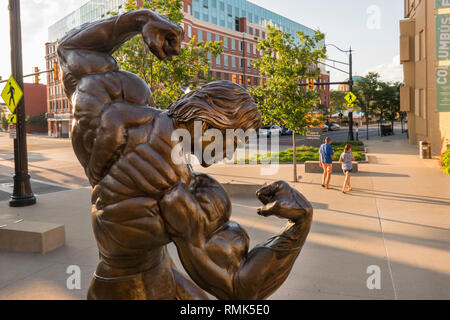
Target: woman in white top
point(347, 159)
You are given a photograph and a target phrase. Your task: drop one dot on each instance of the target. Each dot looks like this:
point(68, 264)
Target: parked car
point(325, 128)
point(334, 127)
point(270, 130)
point(286, 132)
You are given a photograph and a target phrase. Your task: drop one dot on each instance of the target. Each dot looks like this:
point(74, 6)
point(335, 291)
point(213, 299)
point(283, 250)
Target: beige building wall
point(418, 56)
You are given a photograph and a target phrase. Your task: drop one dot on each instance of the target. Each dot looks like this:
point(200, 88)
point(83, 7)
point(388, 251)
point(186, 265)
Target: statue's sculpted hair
point(221, 104)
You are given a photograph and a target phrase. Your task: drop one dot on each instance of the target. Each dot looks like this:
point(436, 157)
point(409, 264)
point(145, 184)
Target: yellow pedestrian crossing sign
point(12, 94)
point(350, 98)
point(12, 119)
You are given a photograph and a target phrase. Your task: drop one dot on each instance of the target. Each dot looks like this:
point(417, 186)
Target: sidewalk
point(398, 218)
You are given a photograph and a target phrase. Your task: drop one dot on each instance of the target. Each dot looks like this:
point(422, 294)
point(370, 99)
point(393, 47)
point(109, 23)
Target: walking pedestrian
point(326, 161)
point(347, 158)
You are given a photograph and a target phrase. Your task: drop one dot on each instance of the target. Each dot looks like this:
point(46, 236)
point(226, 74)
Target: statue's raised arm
point(106, 100)
point(88, 49)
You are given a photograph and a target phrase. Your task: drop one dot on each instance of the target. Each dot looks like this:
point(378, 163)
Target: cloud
point(391, 72)
point(37, 16)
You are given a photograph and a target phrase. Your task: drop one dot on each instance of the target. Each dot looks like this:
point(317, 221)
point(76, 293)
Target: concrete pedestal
point(32, 237)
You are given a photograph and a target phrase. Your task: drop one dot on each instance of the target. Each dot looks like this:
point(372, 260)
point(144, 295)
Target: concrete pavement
point(397, 218)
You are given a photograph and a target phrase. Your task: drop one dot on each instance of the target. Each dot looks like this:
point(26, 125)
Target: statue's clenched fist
point(163, 37)
point(283, 201)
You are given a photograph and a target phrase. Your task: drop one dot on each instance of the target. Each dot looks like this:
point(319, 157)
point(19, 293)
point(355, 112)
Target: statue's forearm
point(263, 270)
point(107, 35)
point(268, 265)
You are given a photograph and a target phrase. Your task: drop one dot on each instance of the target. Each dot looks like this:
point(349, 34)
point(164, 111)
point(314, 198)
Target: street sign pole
point(22, 194)
point(350, 114)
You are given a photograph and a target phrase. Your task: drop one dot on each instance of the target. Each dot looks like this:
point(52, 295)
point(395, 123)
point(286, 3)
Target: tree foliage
point(337, 101)
point(366, 92)
point(167, 79)
point(387, 104)
point(286, 63)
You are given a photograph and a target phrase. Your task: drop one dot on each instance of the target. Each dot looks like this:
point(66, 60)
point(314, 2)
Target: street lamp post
point(350, 84)
point(22, 194)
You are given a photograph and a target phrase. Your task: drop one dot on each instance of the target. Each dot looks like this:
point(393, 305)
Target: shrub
point(306, 154)
point(445, 161)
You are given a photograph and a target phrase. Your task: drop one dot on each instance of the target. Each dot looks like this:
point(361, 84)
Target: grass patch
point(307, 154)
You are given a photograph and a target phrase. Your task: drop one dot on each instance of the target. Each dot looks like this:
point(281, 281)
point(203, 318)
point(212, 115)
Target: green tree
point(166, 79)
point(337, 101)
point(286, 62)
point(3, 121)
point(387, 102)
point(366, 92)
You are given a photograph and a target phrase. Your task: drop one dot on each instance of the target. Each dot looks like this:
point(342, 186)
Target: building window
point(249, 48)
point(234, 78)
point(219, 60)
point(234, 62)
point(417, 102)
point(233, 45)
point(222, 6)
point(226, 76)
point(214, 4)
point(217, 38)
point(208, 36)
point(210, 58)
point(241, 46)
point(249, 65)
point(189, 31)
point(219, 75)
point(225, 43)
point(189, 9)
point(229, 10)
point(423, 103)
point(226, 61)
point(200, 35)
point(242, 65)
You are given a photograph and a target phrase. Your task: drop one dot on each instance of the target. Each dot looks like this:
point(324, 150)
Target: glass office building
point(225, 13)
point(91, 11)
point(239, 24)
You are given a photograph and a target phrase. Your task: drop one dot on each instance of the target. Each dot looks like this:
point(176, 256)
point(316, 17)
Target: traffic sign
point(13, 131)
point(350, 97)
point(12, 119)
point(12, 94)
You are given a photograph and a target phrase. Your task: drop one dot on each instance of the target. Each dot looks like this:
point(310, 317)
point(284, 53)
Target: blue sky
point(374, 36)
point(352, 23)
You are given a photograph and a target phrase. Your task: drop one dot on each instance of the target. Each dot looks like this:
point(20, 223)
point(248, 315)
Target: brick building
point(240, 24)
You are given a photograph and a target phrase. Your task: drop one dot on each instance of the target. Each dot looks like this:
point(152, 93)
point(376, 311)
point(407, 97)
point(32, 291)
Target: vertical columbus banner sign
point(443, 54)
point(442, 4)
point(443, 89)
point(443, 37)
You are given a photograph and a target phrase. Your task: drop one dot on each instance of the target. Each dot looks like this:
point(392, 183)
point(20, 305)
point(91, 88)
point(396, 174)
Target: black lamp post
point(350, 84)
point(22, 194)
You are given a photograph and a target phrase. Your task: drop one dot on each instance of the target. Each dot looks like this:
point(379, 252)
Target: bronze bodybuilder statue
point(142, 201)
